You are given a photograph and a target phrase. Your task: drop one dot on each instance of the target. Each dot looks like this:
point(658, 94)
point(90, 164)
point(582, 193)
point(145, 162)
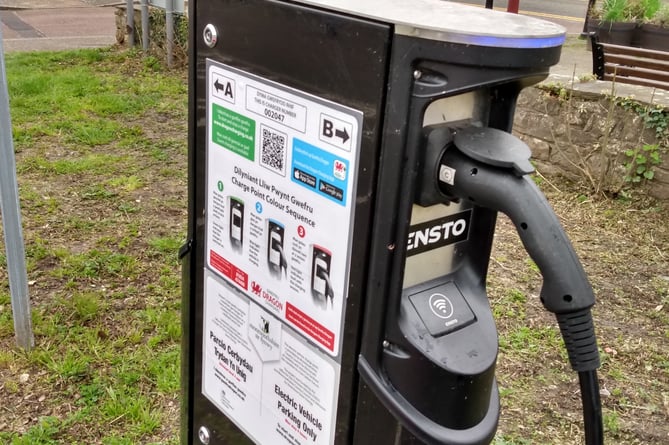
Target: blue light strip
point(514, 42)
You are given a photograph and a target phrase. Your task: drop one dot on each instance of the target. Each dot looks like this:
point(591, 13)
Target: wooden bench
point(626, 64)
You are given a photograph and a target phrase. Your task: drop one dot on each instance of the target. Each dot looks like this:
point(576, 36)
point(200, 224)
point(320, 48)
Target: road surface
point(57, 28)
point(568, 13)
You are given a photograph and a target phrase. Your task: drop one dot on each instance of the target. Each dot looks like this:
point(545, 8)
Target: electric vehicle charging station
point(347, 160)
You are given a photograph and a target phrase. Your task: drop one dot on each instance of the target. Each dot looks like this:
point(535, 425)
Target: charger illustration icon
point(276, 259)
point(236, 222)
point(321, 287)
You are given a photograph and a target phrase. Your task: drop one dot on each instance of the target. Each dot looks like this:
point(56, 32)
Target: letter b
point(327, 128)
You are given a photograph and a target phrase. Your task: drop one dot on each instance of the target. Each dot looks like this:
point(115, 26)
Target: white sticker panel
point(272, 385)
point(281, 176)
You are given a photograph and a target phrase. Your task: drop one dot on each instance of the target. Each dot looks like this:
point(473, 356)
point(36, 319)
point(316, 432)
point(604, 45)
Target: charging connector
point(489, 168)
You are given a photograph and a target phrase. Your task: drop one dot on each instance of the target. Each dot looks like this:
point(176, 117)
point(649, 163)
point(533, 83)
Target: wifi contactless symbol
point(441, 306)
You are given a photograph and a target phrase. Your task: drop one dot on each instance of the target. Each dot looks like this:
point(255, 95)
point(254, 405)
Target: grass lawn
point(100, 140)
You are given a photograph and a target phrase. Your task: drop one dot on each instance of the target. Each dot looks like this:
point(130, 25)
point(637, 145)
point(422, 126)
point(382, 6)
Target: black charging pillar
point(332, 294)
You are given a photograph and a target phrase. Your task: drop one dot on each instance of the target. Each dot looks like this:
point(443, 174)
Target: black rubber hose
point(579, 337)
point(592, 408)
point(578, 332)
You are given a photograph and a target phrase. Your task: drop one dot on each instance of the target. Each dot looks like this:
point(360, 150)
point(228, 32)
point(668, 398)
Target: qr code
point(273, 150)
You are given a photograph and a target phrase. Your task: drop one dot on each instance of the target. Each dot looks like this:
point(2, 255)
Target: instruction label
point(281, 176)
point(263, 377)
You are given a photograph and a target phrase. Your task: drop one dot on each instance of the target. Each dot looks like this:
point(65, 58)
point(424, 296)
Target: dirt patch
point(624, 249)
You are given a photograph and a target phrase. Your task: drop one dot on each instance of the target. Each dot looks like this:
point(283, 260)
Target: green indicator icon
point(220, 186)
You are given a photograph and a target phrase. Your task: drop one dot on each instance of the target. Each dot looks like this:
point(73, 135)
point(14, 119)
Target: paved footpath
point(46, 25)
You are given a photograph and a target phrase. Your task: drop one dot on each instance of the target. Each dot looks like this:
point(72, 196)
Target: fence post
point(130, 16)
point(145, 25)
point(169, 31)
point(11, 220)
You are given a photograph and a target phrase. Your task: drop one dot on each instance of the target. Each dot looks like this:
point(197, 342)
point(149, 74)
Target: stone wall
point(584, 137)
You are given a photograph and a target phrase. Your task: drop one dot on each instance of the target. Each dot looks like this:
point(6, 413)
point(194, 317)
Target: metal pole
point(169, 31)
point(130, 15)
point(11, 220)
point(145, 25)
point(513, 6)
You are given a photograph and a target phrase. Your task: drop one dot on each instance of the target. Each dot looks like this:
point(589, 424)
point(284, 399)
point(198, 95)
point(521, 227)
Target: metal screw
point(210, 35)
point(203, 435)
point(386, 344)
point(417, 74)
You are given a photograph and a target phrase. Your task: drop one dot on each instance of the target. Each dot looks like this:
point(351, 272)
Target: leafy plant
point(611, 422)
point(641, 162)
point(615, 11)
point(661, 17)
point(655, 118)
point(557, 89)
point(648, 8)
point(641, 10)
point(41, 434)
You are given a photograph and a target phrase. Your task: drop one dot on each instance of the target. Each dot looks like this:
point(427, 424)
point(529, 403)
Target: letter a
point(228, 91)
